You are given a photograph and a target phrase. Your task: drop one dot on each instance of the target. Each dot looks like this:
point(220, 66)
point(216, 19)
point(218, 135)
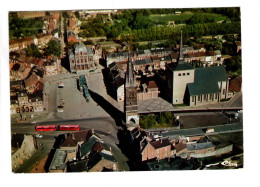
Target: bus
point(69, 127)
point(46, 128)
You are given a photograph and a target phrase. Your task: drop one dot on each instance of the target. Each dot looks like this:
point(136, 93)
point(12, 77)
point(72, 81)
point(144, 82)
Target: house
point(116, 57)
point(51, 67)
point(43, 39)
point(36, 102)
point(158, 149)
point(235, 85)
point(59, 161)
point(71, 37)
point(33, 83)
point(87, 146)
point(149, 91)
point(101, 160)
point(81, 59)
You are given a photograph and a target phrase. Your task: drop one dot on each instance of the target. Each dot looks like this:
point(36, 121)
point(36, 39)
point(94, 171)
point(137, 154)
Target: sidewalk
point(161, 105)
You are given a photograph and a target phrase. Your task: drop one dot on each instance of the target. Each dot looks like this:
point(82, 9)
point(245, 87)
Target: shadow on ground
point(109, 84)
point(116, 114)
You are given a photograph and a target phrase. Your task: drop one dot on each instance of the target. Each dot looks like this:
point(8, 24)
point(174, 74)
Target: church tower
point(131, 108)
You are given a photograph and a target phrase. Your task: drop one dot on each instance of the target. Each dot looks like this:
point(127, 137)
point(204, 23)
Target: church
point(195, 86)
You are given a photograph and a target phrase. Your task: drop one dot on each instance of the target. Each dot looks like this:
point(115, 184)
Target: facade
point(210, 86)
point(51, 67)
point(81, 59)
point(131, 107)
point(149, 91)
point(158, 149)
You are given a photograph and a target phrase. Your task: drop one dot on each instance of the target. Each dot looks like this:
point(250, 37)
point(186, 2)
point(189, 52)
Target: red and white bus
point(69, 127)
point(46, 128)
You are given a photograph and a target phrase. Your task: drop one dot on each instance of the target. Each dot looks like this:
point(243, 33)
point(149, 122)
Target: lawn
point(182, 18)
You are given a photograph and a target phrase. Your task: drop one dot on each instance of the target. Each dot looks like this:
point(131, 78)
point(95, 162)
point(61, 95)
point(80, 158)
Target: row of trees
point(172, 33)
point(135, 25)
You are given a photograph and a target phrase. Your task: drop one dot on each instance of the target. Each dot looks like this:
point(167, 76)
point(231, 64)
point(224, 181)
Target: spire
point(130, 77)
point(180, 52)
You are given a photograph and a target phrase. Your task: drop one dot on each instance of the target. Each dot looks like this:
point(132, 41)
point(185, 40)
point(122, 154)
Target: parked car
point(33, 122)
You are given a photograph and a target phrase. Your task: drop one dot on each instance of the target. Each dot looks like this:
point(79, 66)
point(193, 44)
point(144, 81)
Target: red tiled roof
point(83, 135)
point(151, 84)
point(69, 142)
point(235, 84)
point(180, 146)
point(160, 143)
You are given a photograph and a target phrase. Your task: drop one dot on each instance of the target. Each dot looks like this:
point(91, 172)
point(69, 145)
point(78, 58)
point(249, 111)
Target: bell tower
point(131, 108)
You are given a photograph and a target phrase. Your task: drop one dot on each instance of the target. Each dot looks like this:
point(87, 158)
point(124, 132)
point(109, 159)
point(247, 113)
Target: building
point(149, 91)
point(190, 86)
point(210, 86)
point(81, 59)
point(131, 107)
point(158, 149)
point(51, 67)
point(33, 83)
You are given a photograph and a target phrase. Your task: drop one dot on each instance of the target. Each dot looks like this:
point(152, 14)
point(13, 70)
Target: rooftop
point(58, 161)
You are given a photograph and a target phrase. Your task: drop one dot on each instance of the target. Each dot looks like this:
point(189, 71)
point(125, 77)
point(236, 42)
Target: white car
point(33, 122)
point(38, 136)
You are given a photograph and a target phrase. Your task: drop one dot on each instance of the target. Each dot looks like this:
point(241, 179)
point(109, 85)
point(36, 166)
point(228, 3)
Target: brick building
point(81, 59)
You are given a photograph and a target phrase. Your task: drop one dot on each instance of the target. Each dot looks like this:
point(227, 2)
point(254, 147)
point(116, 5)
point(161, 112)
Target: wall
point(217, 152)
point(26, 150)
point(180, 83)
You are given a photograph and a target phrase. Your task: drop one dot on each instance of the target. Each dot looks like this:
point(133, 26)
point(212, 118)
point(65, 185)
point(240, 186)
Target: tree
point(33, 51)
point(53, 48)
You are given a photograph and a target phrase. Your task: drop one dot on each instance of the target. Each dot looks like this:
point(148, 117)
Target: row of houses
point(82, 151)
point(159, 57)
point(155, 147)
point(38, 39)
point(26, 82)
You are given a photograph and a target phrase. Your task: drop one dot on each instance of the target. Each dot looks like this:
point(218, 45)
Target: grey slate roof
point(87, 146)
point(211, 74)
point(201, 88)
point(180, 66)
point(206, 80)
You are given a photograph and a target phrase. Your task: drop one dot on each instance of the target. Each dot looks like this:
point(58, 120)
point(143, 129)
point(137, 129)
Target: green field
point(165, 18)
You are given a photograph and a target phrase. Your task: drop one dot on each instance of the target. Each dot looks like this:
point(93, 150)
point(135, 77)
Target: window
point(179, 74)
point(183, 74)
point(192, 98)
point(216, 96)
point(188, 73)
point(224, 90)
point(205, 97)
point(199, 98)
point(210, 97)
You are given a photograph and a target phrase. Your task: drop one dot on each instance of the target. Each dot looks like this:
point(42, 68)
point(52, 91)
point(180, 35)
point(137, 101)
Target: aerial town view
point(125, 90)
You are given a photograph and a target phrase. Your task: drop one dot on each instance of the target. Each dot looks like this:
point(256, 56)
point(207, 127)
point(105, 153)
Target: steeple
point(180, 52)
point(130, 76)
